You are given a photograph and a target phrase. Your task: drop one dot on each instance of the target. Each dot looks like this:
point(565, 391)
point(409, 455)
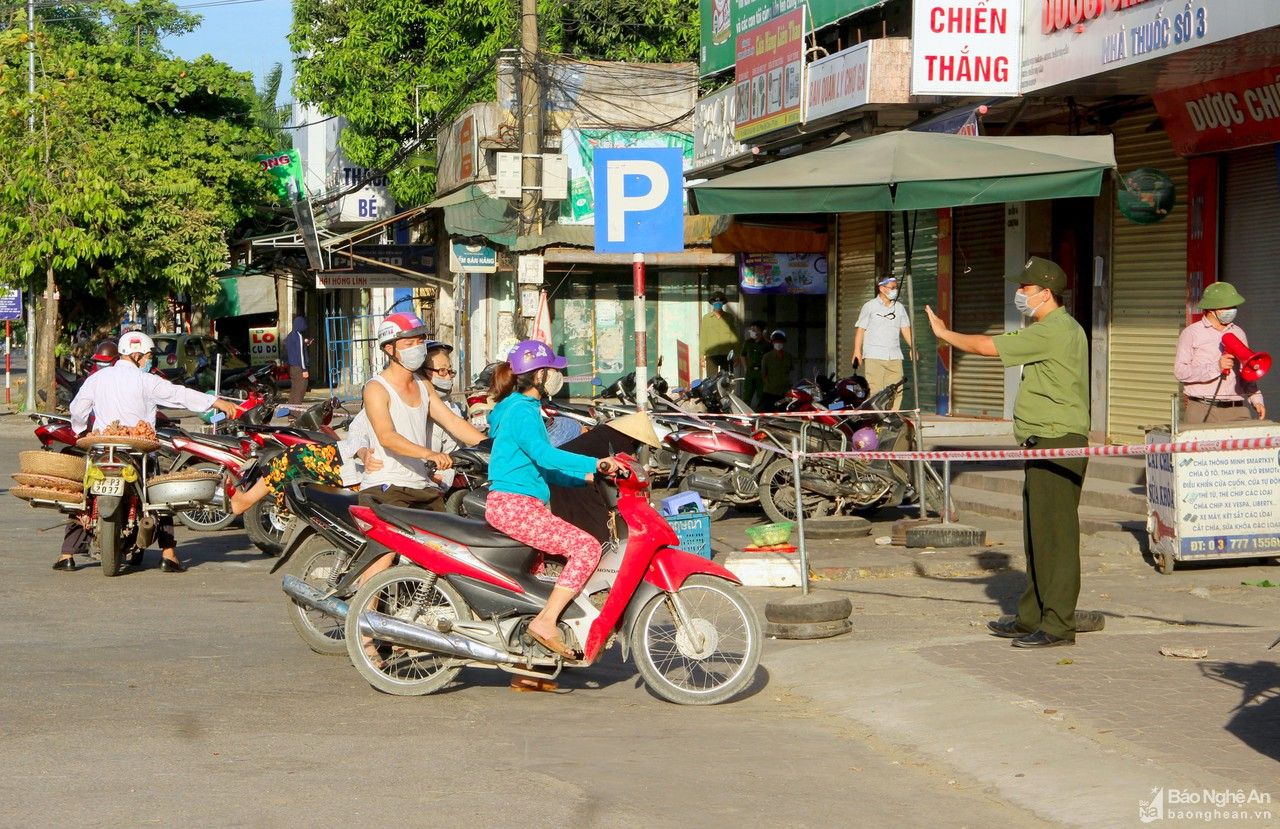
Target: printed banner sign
point(965, 47)
point(724, 21)
point(1214, 505)
point(285, 169)
point(839, 82)
point(464, 258)
point(11, 305)
point(782, 273)
point(1225, 114)
point(264, 346)
point(770, 76)
point(579, 148)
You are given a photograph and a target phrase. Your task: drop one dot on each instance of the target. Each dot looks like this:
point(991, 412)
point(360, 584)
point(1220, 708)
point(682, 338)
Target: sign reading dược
point(1224, 114)
point(965, 47)
point(1071, 39)
point(770, 76)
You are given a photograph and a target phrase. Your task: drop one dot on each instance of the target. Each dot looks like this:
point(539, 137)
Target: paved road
point(178, 700)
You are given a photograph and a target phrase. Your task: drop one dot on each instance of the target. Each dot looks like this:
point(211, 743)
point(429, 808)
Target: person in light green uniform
point(717, 336)
point(1051, 411)
point(754, 348)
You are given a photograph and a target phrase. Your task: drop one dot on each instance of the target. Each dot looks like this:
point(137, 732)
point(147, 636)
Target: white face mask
point(1226, 316)
point(554, 382)
point(779, 346)
point(1022, 302)
point(412, 357)
point(442, 385)
point(892, 294)
point(753, 334)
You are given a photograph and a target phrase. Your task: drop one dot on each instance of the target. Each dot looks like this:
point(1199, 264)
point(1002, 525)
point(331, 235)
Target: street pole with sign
point(639, 210)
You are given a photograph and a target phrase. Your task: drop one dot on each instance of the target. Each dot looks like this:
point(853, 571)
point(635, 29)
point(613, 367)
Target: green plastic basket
point(767, 535)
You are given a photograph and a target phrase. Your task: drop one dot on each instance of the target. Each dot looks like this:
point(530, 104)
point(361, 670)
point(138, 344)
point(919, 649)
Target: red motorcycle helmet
point(852, 391)
point(105, 354)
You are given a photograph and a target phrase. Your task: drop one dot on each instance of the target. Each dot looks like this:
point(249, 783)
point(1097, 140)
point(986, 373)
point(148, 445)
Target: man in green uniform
point(753, 350)
point(717, 336)
point(1051, 411)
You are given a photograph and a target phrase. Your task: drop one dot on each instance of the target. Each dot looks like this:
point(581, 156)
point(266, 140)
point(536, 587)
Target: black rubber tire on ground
point(329, 639)
point(111, 550)
point(373, 674)
point(810, 630)
point(939, 535)
point(260, 526)
point(820, 506)
point(812, 609)
point(848, 526)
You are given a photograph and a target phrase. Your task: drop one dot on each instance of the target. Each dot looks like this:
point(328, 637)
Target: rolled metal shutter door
point(924, 276)
point(977, 383)
point(1251, 252)
point(855, 279)
point(1148, 291)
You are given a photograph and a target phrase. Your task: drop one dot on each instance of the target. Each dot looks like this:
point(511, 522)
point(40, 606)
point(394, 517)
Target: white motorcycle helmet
point(135, 342)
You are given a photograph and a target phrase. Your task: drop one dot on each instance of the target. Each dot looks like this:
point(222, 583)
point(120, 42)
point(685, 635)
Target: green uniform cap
point(1220, 295)
point(1042, 273)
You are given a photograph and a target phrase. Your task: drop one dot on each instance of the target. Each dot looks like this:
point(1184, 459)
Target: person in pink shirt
point(1212, 388)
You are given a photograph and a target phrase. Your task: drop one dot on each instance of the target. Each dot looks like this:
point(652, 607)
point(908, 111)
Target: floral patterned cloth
point(314, 462)
point(528, 520)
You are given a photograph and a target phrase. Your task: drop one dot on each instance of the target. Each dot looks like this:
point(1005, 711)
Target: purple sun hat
point(530, 355)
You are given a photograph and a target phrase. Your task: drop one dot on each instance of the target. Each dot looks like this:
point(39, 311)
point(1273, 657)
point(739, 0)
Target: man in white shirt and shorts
point(875, 344)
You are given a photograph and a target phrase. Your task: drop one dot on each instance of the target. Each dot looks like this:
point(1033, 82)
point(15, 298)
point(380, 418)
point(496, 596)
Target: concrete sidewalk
point(1079, 735)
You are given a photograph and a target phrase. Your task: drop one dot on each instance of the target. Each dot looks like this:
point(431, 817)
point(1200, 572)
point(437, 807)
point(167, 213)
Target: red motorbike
point(469, 593)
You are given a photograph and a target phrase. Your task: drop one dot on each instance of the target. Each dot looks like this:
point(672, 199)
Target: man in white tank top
point(402, 412)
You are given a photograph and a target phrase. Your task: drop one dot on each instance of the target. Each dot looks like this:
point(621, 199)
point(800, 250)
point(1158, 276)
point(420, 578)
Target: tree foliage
point(139, 166)
point(365, 59)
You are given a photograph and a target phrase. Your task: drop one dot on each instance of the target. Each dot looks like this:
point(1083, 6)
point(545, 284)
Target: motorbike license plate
point(108, 486)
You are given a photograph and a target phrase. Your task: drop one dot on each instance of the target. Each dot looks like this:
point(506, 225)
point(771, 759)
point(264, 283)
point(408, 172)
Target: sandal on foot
point(556, 646)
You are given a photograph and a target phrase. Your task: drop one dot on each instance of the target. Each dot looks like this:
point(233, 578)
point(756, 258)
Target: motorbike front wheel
point(212, 516)
point(402, 592)
point(778, 494)
point(266, 527)
point(708, 658)
point(314, 563)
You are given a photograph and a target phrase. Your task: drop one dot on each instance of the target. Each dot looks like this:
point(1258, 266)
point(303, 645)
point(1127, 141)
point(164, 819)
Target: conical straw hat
point(637, 426)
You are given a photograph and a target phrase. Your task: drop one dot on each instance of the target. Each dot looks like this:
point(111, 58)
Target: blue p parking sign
point(639, 200)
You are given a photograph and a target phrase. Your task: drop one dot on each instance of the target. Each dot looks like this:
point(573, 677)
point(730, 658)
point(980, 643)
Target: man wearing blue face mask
point(881, 322)
point(128, 393)
point(717, 336)
point(1051, 412)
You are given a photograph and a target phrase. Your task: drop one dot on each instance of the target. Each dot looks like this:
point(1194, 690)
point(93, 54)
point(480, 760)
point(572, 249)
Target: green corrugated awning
point(471, 211)
point(241, 295)
point(914, 171)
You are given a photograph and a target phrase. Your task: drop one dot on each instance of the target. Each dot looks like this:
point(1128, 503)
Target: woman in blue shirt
point(521, 466)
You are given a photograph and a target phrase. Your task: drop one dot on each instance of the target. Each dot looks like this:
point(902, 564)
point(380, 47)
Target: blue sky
point(251, 36)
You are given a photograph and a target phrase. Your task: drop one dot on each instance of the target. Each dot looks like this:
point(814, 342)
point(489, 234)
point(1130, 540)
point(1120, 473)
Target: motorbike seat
point(219, 441)
point(331, 500)
point(466, 531)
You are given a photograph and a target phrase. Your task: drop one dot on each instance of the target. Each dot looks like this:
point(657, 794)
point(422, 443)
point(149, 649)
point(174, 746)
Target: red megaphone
point(1253, 364)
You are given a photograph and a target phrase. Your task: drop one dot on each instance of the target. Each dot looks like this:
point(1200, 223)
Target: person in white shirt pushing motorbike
point(128, 394)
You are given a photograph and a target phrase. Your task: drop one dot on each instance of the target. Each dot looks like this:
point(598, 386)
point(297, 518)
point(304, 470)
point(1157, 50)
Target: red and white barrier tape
point(802, 415)
point(1131, 450)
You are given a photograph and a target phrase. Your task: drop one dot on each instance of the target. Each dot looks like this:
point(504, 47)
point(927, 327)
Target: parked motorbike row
point(732, 463)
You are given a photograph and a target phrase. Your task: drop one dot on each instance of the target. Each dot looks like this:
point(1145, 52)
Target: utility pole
point(31, 130)
point(530, 102)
